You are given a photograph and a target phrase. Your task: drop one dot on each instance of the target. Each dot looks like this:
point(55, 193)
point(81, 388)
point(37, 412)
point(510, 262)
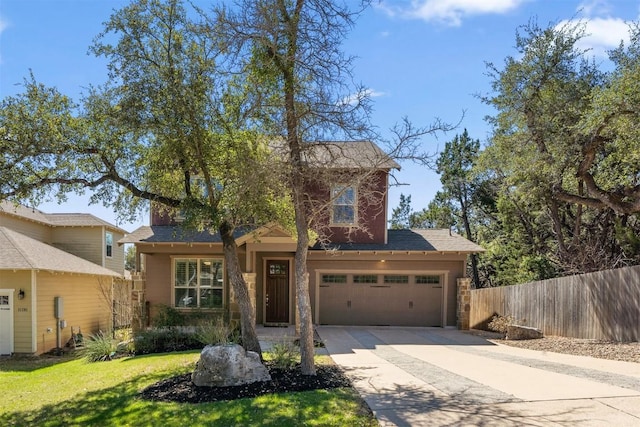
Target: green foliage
point(562, 159)
point(130, 258)
point(101, 347)
point(284, 354)
point(108, 394)
point(217, 331)
point(167, 339)
point(168, 316)
point(401, 216)
point(438, 214)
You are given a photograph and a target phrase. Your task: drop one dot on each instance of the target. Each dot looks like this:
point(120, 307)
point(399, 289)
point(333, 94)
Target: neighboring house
point(361, 274)
point(44, 258)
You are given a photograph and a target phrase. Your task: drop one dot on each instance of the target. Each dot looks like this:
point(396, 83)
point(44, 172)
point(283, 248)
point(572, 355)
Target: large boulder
point(518, 332)
point(228, 365)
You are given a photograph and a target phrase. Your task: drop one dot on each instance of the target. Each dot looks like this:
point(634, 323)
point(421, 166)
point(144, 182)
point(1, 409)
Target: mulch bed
point(181, 389)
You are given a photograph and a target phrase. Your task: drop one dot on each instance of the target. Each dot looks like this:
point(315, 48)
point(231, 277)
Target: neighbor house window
point(198, 282)
point(108, 238)
point(344, 205)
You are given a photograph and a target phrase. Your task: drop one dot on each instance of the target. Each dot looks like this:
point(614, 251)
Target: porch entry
point(277, 292)
point(6, 322)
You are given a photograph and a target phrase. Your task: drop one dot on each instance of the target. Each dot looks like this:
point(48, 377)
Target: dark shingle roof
point(174, 234)
point(19, 252)
point(430, 240)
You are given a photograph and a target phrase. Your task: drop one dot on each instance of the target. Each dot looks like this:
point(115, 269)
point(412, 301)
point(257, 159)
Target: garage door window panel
point(395, 278)
point(334, 278)
point(365, 278)
point(427, 279)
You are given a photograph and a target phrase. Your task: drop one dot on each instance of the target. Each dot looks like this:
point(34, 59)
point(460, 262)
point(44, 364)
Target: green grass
point(70, 392)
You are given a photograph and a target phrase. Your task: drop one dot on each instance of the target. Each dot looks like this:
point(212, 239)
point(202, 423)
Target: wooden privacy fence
point(602, 305)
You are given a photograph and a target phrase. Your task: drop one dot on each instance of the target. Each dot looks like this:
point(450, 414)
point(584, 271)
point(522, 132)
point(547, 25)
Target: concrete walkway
point(438, 377)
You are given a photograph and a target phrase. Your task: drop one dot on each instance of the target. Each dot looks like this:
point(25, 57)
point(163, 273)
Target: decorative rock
point(517, 332)
point(228, 365)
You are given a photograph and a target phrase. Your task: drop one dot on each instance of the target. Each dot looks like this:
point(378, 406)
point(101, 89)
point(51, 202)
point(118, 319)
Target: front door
point(277, 292)
point(6, 322)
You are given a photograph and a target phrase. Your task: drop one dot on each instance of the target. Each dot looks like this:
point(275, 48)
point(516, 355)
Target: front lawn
point(75, 392)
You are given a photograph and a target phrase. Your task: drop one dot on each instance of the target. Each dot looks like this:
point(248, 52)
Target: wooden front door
point(277, 292)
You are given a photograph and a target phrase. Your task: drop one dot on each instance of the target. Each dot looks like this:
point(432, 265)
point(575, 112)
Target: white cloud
point(602, 34)
point(451, 12)
point(354, 98)
point(594, 7)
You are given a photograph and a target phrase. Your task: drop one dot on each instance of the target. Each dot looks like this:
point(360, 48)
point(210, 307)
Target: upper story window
point(198, 282)
point(344, 205)
point(108, 239)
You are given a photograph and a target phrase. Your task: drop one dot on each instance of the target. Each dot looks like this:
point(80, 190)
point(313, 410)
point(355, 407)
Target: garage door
point(380, 299)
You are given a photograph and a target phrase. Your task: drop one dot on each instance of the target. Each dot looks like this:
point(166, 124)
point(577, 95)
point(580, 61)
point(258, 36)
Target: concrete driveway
point(437, 377)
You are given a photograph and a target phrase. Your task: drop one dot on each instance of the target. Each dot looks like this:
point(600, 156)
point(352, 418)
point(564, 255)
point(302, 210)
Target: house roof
point(416, 240)
point(19, 252)
point(349, 155)
point(431, 240)
point(56, 219)
point(174, 234)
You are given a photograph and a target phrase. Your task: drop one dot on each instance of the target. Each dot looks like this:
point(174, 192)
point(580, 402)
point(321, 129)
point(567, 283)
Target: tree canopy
point(171, 127)
point(555, 190)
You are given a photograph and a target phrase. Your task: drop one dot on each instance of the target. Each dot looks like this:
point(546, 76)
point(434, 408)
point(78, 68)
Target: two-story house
point(361, 273)
point(56, 272)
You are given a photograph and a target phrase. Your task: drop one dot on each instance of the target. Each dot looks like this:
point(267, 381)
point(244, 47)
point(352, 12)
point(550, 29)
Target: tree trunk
point(302, 289)
point(474, 257)
point(250, 340)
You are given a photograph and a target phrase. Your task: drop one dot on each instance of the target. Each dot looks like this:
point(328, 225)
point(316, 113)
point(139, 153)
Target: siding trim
point(34, 311)
point(445, 300)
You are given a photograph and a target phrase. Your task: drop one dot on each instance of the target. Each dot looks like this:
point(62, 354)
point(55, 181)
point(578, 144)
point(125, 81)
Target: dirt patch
point(622, 351)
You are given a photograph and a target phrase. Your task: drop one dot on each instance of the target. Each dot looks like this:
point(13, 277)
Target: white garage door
point(381, 299)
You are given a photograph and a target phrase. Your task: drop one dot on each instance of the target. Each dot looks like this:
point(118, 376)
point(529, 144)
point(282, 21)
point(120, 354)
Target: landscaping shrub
point(167, 317)
point(101, 347)
point(285, 354)
point(163, 340)
point(500, 323)
point(217, 332)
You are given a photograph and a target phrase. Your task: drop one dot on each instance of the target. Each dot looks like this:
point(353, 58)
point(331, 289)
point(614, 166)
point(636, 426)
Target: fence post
point(463, 311)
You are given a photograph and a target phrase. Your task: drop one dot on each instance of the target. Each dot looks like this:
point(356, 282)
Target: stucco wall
point(158, 271)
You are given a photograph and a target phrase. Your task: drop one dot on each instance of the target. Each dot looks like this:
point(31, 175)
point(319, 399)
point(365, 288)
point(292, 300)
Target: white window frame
point(194, 286)
point(338, 194)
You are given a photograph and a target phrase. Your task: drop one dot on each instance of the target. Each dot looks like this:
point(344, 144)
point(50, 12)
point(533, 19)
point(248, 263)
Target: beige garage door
point(380, 299)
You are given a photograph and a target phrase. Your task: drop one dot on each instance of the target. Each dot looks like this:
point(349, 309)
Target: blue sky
point(420, 58)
